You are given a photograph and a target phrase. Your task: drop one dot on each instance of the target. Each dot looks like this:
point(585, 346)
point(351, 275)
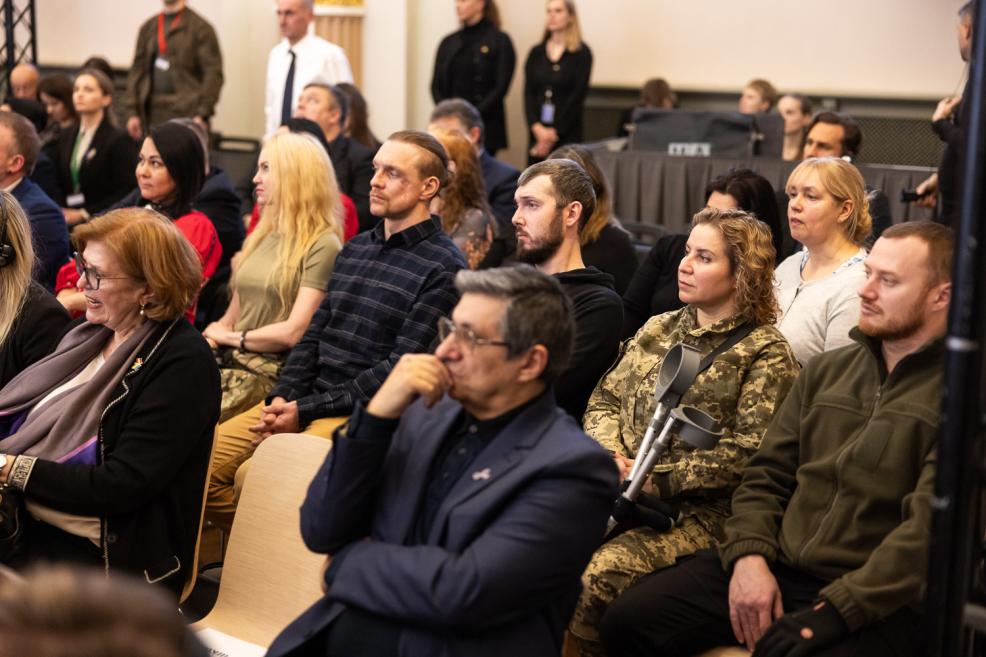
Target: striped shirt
point(384, 300)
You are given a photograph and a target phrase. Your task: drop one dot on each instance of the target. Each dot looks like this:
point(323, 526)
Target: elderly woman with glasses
point(108, 439)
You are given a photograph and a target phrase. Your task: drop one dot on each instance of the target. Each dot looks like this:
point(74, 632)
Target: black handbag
point(12, 525)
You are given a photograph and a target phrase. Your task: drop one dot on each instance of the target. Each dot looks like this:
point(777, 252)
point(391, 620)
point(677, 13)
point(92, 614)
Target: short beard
point(540, 252)
point(904, 326)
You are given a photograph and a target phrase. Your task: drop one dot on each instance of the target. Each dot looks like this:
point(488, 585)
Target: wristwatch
point(3, 464)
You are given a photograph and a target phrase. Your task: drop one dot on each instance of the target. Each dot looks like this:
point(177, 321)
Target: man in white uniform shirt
point(299, 58)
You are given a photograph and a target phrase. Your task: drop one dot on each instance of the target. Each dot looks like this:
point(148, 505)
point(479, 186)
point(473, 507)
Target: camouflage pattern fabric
point(741, 389)
point(619, 564)
point(247, 378)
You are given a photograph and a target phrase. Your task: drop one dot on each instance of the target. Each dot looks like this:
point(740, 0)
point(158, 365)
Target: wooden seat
point(193, 574)
point(728, 651)
point(269, 577)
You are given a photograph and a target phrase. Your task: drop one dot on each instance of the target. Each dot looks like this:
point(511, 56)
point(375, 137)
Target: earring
point(142, 310)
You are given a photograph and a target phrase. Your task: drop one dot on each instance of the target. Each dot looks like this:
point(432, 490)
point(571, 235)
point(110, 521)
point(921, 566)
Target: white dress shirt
point(315, 59)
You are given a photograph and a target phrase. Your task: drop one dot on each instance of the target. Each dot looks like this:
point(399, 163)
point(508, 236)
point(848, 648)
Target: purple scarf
point(65, 429)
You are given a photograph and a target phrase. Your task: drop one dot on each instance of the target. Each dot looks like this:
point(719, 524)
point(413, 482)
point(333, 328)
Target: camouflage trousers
point(619, 564)
point(247, 378)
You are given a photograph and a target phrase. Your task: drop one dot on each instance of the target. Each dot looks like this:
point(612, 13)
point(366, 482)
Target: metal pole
point(34, 32)
point(10, 48)
point(954, 504)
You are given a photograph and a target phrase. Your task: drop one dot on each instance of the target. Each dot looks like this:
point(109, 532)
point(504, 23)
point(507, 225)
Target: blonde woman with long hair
point(30, 317)
point(283, 270)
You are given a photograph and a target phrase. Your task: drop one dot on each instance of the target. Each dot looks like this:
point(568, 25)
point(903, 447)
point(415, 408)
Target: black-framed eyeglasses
point(92, 278)
point(465, 336)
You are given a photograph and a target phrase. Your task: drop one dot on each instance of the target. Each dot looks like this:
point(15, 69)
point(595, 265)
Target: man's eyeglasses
point(465, 336)
point(91, 277)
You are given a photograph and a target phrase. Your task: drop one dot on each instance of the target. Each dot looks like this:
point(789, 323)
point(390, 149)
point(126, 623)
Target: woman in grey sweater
point(816, 288)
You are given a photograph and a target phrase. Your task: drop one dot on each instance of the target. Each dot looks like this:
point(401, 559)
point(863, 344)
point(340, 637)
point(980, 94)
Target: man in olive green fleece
point(826, 550)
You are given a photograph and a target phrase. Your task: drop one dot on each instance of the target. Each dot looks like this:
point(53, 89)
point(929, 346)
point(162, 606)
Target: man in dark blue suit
point(19, 148)
point(499, 178)
point(459, 525)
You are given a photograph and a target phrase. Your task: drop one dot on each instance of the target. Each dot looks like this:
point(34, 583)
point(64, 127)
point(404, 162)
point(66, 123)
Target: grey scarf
point(65, 429)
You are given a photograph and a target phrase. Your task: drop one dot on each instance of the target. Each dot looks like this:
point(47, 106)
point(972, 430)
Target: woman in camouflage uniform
point(283, 270)
point(726, 278)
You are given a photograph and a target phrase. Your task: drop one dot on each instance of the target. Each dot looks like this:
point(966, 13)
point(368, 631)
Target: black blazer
point(34, 334)
point(106, 174)
point(353, 164)
point(500, 180)
point(493, 60)
point(155, 441)
point(568, 80)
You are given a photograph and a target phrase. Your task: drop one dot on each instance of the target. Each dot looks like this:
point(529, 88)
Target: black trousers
point(684, 610)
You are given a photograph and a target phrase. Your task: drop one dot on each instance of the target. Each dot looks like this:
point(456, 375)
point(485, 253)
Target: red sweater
point(200, 232)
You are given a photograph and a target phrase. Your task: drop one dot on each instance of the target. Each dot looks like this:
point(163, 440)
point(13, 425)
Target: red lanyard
point(162, 39)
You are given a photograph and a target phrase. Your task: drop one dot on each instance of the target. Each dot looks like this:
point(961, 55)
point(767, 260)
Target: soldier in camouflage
point(726, 279)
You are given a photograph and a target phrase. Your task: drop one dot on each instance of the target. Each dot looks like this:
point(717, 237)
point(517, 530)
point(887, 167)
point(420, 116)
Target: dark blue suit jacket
point(49, 232)
point(501, 182)
point(500, 571)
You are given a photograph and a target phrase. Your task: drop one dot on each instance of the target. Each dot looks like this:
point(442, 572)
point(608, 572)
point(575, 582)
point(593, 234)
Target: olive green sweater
point(841, 485)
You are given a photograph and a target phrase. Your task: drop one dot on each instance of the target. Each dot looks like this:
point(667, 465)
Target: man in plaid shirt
point(389, 287)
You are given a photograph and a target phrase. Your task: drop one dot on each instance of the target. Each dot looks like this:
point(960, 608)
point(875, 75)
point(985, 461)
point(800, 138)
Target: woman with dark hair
point(477, 63)
point(95, 160)
point(605, 245)
point(56, 95)
point(108, 438)
point(654, 288)
point(357, 119)
point(556, 81)
point(169, 173)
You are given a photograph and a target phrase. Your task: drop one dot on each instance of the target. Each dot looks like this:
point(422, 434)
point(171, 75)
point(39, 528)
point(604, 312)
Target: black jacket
point(155, 440)
point(353, 164)
point(106, 173)
point(477, 64)
point(654, 288)
point(500, 180)
point(613, 253)
point(34, 333)
point(568, 80)
point(953, 157)
point(598, 318)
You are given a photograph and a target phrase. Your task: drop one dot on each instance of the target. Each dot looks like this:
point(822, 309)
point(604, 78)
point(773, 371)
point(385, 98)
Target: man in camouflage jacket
point(741, 389)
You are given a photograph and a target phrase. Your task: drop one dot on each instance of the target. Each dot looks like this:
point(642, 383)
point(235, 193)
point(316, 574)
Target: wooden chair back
point(269, 577)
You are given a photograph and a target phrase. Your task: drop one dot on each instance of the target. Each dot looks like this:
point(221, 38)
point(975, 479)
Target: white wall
point(903, 48)
point(69, 31)
point(888, 48)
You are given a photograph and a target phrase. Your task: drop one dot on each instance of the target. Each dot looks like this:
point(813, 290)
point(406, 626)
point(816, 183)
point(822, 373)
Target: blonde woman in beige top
point(283, 271)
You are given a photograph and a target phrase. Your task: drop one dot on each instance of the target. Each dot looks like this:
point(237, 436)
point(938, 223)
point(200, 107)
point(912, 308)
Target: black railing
point(19, 39)
point(957, 533)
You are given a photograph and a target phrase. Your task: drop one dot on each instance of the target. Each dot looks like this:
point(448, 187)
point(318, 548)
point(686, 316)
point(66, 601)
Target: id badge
point(75, 200)
point(548, 113)
point(162, 63)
